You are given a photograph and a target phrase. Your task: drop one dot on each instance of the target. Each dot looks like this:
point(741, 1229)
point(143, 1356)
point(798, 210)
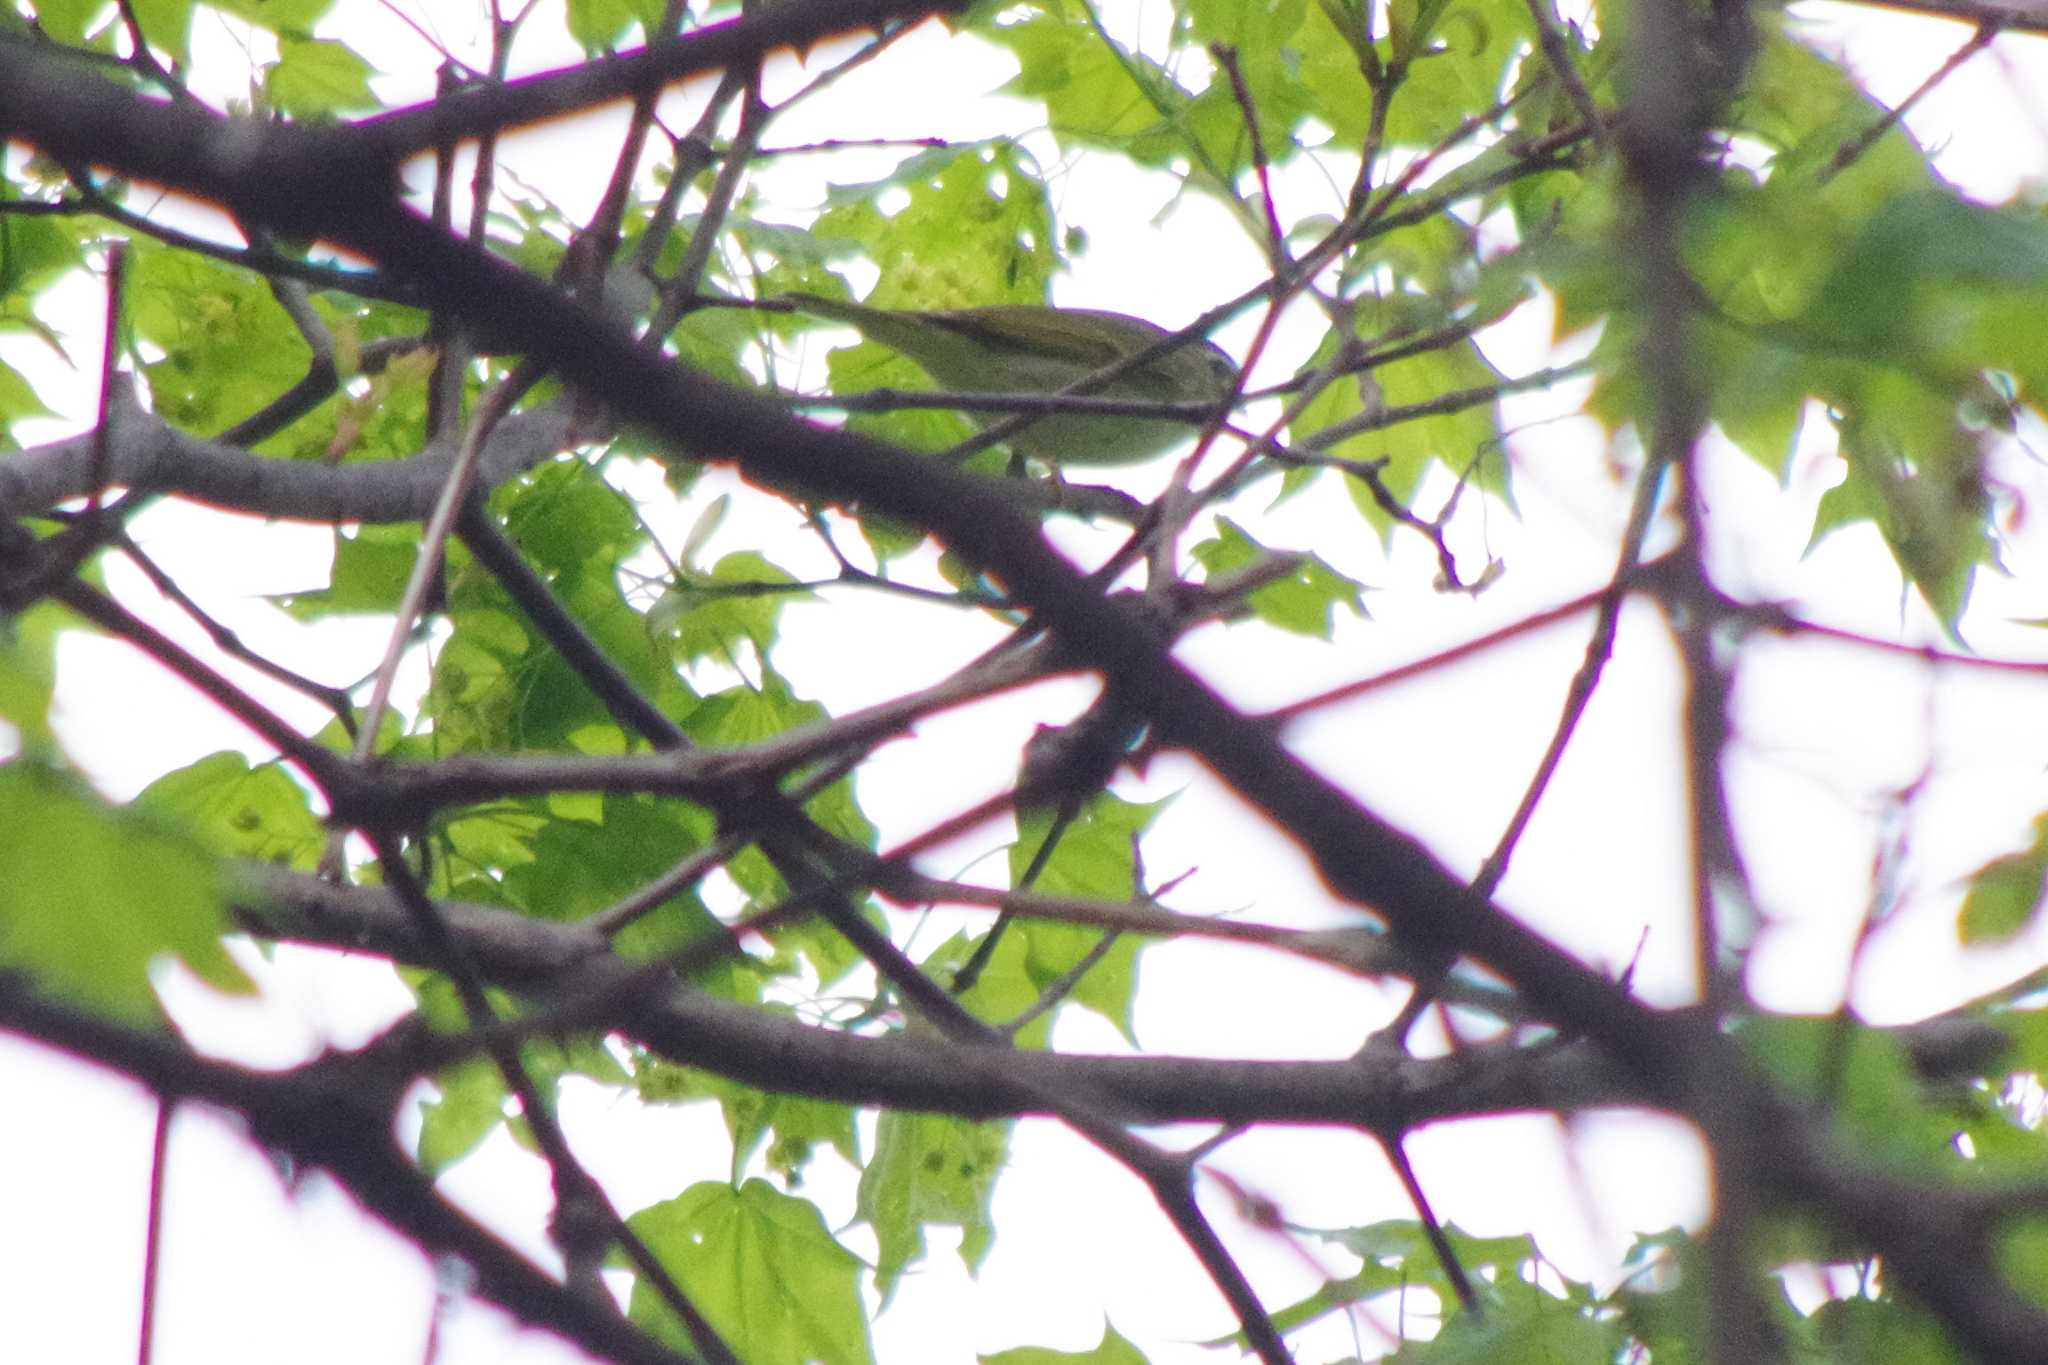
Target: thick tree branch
point(715, 47)
point(336, 1116)
point(917, 1071)
point(144, 452)
point(264, 169)
point(2021, 16)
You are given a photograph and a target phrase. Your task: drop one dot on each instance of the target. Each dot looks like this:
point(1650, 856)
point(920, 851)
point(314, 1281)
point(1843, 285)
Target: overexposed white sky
point(254, 1272)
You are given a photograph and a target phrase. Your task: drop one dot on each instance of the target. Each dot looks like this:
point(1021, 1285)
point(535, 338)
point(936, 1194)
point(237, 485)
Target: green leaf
point(740, 601)
point(1096, 856)
point(1861, 1331)
point(1265, 39)
point(1863, 1078)
point(279, 16)
point(1662, 1299)
point(1109, 987)
point(241, 812)
point(1006, 987)
point(468, 1108)
point(1113, 1349)
point(18, 400)
point(317, 76)
point(714, 340)
point(1524, 1325)
point(168, 25)
point(371, 566)
point(1330, 1297)
point(1304, 602)
point(797, 1124)
point(1943, 289)
point(477, 685)
point(549, 1061)
point(499, 685)
point(763, 1268)
point(482, 841)
point(929, 1168)
point(471, 1096)
point(976, 228)
point(838, 813)
point(1398, 1256)
point(1095, 92)
point(578, 867)
point(1932, 240)
point(1403, 1242)
point(1456, 67)
point(2022, 1255)
point(1329, 52)
point(1807, 108)
point(871, 365)
point(2027, 1027)
point(28, 673)
point(34, 252)
point(227, 347)
point(95, 894)
point(377, 417)
point(1914, 472)
point(888, 539)
point(598, 25)
point(1467, 440)
point(2005, 1141)
point(2005, 892)
point(745, 715)
point(65, 21)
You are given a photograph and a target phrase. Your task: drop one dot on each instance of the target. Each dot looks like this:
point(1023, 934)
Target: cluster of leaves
point(309, 77)
point(1831, 272)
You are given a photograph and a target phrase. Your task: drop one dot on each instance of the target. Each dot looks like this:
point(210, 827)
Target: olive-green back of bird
point(1032, 349)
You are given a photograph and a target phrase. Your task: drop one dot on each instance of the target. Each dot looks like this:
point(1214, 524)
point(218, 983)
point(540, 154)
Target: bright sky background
point(253, 1274)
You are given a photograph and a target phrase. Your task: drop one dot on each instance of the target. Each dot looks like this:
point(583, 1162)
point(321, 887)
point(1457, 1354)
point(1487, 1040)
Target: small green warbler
point(1032, 349)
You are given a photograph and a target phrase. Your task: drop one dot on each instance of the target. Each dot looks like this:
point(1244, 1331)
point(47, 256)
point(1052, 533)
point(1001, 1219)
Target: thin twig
point(1432, 1229)
point(144, 61)
point(1563, 65)
point(1456, 400)
point(1599, 649)
point(613, 919)
point(372, 284)
point(1063, 985)
point(334, 699)
point(1848, 152)
point(110, 359)
point(335, 1113)
point(1276, 238)
point(320, 764)
point(153, 1235)
point(427, 565)
point(579, 1202)
point(755, 115)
